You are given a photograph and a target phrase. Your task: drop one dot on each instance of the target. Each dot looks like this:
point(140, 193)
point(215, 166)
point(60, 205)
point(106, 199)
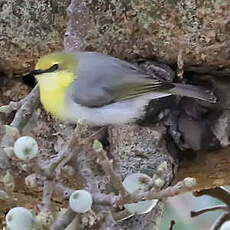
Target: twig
point(36, 180)
point(65, 159)
point(107, 166)
point(49, 167)
point(48, 189)
point(46, 215)
point(64, 220)
point(64, 190)
point(20, 120)
point(219, 193)
point(214, 208)
point(179, 188)
point(105, 199)
point(12, 106)
point(220, 221)
point(82, 163)
point(172, 223)
point(97, 135)
point(56, 164)
point(30, 102)
point(125, 197)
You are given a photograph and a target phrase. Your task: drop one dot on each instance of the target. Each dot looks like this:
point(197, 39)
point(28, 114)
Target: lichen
point(29, 29)
point(128, 29)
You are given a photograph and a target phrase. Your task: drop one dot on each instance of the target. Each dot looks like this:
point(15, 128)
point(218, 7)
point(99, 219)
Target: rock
point(29, 29)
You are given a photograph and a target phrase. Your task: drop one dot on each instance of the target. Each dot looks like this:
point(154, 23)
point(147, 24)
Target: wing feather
point(102, 80)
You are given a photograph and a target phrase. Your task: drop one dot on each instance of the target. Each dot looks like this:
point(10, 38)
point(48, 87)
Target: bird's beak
point(40, 71)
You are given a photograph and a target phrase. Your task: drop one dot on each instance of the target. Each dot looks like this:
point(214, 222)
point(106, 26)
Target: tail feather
point(193, 91)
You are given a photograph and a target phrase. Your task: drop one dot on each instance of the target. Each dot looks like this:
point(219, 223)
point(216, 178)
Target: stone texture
point(130, 29)
point(29, 29)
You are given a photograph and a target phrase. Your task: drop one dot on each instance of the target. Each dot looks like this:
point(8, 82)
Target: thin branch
point(219, 193)
point(64, 220)
point(105, 199)
point(82, 163)
point(36, 180)
point(25, 112)
point(48, 189)
point(56, 164)
point(64, 190)
point(65, 159)
point(125, 197)
point(220, 221)
point(179, 188)
point(214, 208)
point(49, 167)
point(21, 118)
point(97, 135)
point(107, 166)
point(172, 224)
point(111, 199)
point(12, 106)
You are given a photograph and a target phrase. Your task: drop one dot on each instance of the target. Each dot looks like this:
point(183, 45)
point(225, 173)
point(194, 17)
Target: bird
point(101, 90)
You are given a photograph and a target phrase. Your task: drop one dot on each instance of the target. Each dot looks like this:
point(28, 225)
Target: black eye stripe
point(36, 72)
point(53, 68)
point(40, 71)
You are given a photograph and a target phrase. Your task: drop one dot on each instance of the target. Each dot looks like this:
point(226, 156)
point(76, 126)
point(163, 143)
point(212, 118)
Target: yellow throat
point(53, 88)
point(54, 85)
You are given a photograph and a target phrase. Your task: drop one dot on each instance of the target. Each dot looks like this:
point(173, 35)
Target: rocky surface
point(29, 29)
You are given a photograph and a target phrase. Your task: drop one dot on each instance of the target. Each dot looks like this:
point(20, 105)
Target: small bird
point(100, 89)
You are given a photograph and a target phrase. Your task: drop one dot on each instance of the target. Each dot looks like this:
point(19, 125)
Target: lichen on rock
point(29, 29)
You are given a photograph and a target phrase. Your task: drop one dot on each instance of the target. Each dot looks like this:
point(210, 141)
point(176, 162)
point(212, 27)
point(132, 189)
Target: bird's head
point(56, 62)
point(58, 68)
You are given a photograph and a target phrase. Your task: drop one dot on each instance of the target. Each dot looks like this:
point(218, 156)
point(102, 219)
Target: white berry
point(19, 218)
point(225, 226)
point(134, 182)
point(80, 201)
point(26, 148)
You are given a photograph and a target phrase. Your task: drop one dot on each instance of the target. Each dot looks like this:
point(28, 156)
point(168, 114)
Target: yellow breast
point(53, 88)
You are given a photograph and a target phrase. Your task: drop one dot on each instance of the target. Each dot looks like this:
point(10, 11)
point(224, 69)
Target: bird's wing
point(102, 80)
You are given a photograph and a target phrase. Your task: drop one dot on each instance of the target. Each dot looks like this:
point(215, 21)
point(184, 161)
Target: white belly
point(113, 114)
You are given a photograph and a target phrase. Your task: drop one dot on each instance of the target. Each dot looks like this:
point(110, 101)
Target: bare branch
point(30, 102)
point(64, 220)
point(36, 180)
point(107, 166)
point(179, 188)
point(48, 189)
point(49, 167)
point(219, 193)
point(172, 224)
point(21, 118)
point(105, 199)
point(56, 164)
point(12, 106)
point(82, 163)
point(64, 190)
point(214, 208)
